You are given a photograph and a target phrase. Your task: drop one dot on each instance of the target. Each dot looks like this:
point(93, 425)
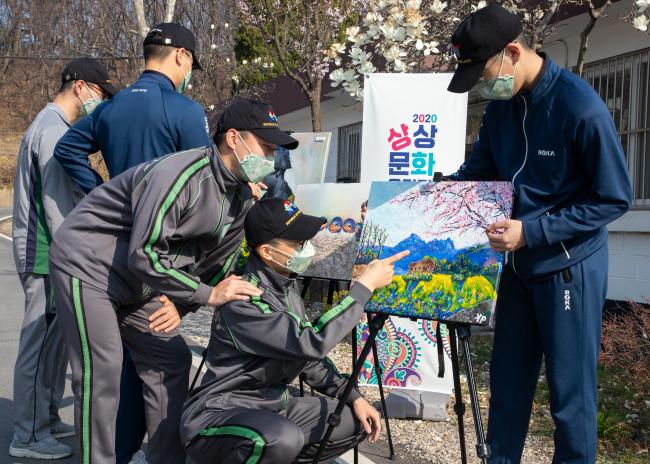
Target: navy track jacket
point(144, 121)
point(558, 145)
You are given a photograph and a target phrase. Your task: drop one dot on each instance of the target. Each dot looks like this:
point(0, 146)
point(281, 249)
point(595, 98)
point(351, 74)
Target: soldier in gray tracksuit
point(242, 412)
point(150, 230)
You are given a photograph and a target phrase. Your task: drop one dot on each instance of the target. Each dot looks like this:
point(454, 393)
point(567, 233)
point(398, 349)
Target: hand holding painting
point(506, 235)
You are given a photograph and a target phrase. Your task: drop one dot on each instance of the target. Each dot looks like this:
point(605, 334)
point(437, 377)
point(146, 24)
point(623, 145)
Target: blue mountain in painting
point(439, 249)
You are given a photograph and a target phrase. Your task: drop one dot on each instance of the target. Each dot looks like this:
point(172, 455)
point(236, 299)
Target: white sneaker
point(61, 430)
point(138, 458)
point(48, 448)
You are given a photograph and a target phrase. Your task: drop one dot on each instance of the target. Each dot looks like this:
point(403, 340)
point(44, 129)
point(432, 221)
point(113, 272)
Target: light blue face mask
point(89, 105)
point(500, 88)
point(254, 168)
point(298, 262)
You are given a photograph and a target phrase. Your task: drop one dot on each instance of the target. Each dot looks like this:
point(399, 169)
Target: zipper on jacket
point(523, 165)
point(566, 252)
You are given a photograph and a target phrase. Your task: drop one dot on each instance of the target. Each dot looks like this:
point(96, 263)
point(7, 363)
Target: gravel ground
point(416, 441)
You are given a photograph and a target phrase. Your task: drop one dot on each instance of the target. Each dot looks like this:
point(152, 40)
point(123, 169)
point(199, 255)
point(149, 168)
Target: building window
point(623, 83)
point(348, 166)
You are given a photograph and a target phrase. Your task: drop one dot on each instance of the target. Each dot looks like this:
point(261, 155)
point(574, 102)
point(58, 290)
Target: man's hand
point(230, 289)
point(369, 417)
point(258, 190)
point(379, 272)
point(167, 318)
point(507, 235)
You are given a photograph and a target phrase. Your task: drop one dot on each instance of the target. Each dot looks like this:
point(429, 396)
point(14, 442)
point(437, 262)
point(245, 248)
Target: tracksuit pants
point(558, 318)
point(258, 436)
point(41, 364)
point(94, 328)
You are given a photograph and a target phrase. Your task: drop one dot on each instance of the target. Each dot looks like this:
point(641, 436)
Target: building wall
point(629, 242)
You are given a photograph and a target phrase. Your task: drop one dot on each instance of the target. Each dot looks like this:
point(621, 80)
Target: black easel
point(463, 331)
point(334, 286)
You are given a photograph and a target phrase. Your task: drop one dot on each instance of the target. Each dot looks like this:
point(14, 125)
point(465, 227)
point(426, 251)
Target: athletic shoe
point(47, 448)
point(61, 430)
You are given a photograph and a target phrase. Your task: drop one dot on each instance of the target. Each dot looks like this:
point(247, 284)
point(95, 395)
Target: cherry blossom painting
point(451, 274)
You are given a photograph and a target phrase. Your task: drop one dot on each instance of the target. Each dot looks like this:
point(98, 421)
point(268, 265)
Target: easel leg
point(482, 448)
point(355, 382)
point(459, 406)
point(334, 419)
point(198, 371)
point(383, 400)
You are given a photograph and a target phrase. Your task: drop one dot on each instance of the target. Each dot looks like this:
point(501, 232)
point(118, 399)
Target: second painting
point(338, 241)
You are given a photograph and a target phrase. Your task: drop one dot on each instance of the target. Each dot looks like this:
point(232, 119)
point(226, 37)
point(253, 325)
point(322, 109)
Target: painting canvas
point(338, 241)
point(309, 160)
point(452, 274)
point(407, 352)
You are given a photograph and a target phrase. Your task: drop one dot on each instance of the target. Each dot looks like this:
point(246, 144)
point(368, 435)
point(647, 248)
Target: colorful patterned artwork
point(407, 353)
point(452, 273)
point(337, 243)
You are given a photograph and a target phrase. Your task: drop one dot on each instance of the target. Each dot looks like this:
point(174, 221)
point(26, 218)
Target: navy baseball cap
point(272, 218)
point(174, 35)
point(88, 70)
point(257, 117)
point(478, 38)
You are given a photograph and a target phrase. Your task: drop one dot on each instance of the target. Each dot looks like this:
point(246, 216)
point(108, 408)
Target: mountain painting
point(452, 274)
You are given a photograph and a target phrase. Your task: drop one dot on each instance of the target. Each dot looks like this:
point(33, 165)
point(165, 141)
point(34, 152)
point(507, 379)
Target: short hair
point(65, 86)
point(157, 52)
point(220, 137)
point(522, 39)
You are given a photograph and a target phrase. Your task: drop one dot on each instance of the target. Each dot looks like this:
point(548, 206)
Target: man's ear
point(263, 251)
point(514, 50)
point(231, 139)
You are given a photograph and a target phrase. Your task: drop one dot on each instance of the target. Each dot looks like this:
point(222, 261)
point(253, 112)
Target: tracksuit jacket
point(146, 120)
point(568, 187)
point(258, 347)
point(174, 224)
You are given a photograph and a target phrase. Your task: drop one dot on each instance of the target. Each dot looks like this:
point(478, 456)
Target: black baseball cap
point(478, 38)
point(174, 35)
point(257, 117)
point(272, 218)
point(88, 70)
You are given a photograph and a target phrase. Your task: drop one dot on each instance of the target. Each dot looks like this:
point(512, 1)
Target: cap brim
point(466, 77)
point(304, 227)
point(277, 137)
point(110, 89)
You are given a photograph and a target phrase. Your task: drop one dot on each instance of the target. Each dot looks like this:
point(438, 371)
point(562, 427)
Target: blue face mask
point(500, 88)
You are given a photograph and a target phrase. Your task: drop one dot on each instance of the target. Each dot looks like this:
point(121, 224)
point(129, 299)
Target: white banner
point(412, 127)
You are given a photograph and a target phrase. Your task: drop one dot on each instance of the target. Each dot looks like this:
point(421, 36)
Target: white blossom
point(437, 6)
point(642, 5)
point(212, 26)
point(482, 4)
point(641, 23)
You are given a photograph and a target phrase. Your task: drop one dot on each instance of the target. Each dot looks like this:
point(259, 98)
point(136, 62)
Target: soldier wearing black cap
point(172, 227)
point(243, 412)
point(43, 195)
point(551, 135)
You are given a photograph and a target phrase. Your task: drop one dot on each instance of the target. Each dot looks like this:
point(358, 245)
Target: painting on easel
point(451, 274)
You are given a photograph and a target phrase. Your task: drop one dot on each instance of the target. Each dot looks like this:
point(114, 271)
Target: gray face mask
point(500, 88)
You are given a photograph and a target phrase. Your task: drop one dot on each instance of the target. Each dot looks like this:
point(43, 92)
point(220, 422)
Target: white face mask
point(298, 262)
point(253, 168)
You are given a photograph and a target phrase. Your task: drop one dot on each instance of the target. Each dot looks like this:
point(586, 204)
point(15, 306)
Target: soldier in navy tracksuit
point(171, 227)
point(553, 137)
point(150, 118)
point(243, 412)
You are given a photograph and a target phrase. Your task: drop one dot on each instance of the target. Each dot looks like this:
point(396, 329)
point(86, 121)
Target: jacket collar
point(157, 77)
point(550, 72)
point(266, 276)
point(57, 109)
point(223, 176)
